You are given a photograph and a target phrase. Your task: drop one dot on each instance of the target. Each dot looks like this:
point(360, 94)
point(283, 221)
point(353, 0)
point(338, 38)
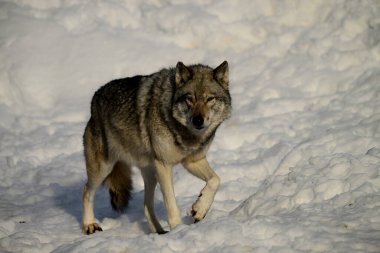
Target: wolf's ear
point(182, 74)
point(221, 74)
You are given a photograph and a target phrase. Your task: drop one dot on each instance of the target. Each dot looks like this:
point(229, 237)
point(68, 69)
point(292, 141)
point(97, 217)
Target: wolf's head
point(202, 99)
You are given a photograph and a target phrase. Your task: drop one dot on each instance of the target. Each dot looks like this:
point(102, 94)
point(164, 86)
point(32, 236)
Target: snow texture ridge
point(299, 159)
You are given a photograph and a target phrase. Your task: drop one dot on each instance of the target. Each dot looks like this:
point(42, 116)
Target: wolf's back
point(116, 95)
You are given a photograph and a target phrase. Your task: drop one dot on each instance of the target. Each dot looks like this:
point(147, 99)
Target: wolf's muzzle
point(197, 122)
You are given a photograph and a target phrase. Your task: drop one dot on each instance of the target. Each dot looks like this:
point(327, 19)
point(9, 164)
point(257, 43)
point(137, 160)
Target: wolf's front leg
point(150, 182)
point(201, 169)
point(165, 179)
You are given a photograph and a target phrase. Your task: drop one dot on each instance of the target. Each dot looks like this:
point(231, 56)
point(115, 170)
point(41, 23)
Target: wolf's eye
point(210, 99)
point(188, 98)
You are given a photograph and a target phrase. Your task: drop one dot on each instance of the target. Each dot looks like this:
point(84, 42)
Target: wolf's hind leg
point(98, 168)
point(202, 170)
point(95, 179)
point(150, 183)
point(89, 225)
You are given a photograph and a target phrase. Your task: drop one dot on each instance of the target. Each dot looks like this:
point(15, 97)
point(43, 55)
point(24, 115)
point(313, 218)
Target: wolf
point(154, 122)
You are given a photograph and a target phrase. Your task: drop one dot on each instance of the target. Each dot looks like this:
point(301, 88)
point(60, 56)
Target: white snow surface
point(299, 159)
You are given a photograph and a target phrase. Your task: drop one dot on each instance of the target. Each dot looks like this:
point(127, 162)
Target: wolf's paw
point(196, 216)
point(162, 232)
point(198, 213)
point(200, 208)
point(91, 228)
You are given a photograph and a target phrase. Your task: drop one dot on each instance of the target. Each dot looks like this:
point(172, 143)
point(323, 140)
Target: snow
point(299, 159)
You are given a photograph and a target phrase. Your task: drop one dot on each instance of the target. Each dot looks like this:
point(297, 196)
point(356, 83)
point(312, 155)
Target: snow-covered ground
point(299, 159)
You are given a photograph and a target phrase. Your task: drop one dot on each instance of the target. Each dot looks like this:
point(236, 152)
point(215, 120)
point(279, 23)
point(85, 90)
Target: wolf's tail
point(120, 186)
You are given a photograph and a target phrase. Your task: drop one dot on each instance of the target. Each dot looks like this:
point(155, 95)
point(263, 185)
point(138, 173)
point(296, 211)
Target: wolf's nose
point(198, 121)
